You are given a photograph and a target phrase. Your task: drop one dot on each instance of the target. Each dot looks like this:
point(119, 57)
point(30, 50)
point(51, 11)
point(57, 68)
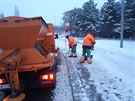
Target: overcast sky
point(51, 10)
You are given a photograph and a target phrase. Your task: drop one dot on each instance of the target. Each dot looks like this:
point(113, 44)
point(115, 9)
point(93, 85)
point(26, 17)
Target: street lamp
point(122, 23)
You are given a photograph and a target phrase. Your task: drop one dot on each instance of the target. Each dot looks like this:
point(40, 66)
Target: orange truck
point(28, 56)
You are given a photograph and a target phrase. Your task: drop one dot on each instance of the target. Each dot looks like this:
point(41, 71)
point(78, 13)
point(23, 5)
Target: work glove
point(92, 48)
point(70, 47)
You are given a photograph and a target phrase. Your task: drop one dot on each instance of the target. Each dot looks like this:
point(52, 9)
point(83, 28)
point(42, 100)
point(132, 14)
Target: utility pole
point(122, 23)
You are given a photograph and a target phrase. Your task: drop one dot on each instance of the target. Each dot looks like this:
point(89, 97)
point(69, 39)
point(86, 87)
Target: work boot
point(70, 55)
point(89, 60)
point(82, 59)
point(74, 55)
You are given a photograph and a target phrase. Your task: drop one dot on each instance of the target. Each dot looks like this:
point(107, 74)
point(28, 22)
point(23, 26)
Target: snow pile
point(62, 91)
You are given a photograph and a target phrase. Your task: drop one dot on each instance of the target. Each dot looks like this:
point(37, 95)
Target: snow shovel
point(69, 50)
point(85, 57)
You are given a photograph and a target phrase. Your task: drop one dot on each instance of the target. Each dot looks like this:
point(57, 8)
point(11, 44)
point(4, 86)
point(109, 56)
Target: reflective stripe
point(87, 42)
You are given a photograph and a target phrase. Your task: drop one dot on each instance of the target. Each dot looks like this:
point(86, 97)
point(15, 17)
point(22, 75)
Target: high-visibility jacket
point(71, 41)
point(89, 40)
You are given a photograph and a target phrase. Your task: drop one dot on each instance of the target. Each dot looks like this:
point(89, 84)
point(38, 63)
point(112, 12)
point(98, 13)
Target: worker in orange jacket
point(88, 45)
point(72, 44)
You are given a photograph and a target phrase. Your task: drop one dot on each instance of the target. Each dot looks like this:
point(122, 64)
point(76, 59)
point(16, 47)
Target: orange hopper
point(23, 34)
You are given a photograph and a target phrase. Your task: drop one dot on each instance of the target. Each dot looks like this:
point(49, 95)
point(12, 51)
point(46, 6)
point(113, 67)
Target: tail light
point(2, 81)
point(47, 76)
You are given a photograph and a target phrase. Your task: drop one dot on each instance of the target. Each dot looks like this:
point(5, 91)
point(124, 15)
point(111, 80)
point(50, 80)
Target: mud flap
point(18, 98)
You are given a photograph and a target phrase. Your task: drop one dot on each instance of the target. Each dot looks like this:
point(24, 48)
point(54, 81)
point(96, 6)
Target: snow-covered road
point(111, 75)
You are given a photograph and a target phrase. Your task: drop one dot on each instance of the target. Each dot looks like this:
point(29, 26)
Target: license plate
point(4, 86)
